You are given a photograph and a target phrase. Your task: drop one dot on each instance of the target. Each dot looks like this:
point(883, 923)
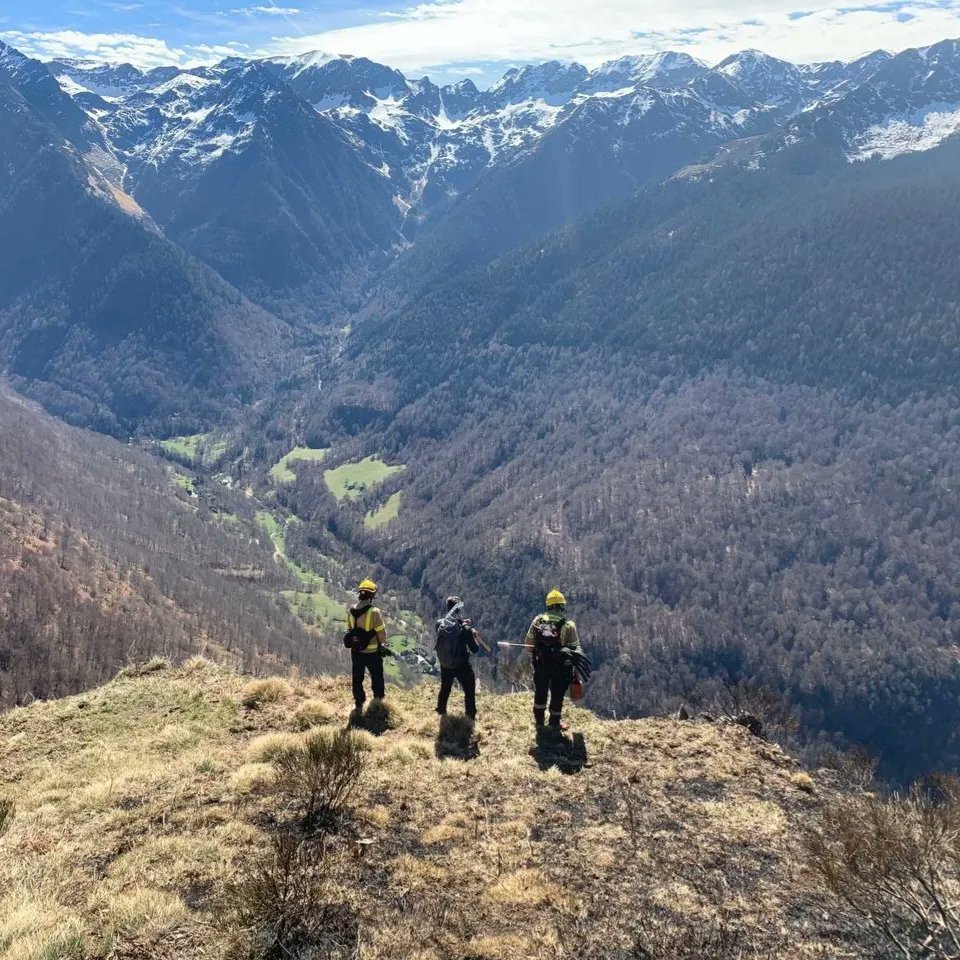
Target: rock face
point(627, 838)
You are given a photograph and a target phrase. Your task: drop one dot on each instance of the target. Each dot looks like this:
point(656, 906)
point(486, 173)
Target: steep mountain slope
point(162, 820)
point(101, 317)
point(346, 161)
point(910, 104)
point(108, 556)
point(723, 416)
point(250, 179)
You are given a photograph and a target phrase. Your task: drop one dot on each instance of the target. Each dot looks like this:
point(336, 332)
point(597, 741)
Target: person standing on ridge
point(456, 640)
point(552, 640)
point(365, 639)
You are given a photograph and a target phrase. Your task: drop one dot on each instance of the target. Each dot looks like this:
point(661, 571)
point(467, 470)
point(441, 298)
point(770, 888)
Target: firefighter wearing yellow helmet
point(551, 639)
point(366, 640)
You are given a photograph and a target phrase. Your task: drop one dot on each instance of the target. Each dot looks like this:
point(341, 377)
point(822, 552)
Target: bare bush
point(761, 711)
point(892, 866)
point(855, 768)
point(320, 773)
point(284, 905)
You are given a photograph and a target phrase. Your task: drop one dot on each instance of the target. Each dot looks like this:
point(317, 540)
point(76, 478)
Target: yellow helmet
point(367, 586)
point(556, 599)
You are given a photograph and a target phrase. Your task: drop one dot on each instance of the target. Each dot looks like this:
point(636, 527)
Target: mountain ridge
point(165, 800)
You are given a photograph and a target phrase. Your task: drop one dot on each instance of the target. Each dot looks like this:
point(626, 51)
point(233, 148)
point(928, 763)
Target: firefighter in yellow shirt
point(551, 640)
point(365, 639)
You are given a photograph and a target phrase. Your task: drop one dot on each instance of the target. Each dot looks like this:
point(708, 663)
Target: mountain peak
point(663, 70)
point(553, 81)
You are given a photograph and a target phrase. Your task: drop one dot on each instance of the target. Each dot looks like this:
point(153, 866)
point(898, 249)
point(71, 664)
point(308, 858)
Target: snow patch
point(185, 82)
point(332, 101)
point(921, 130)
point(70, 86)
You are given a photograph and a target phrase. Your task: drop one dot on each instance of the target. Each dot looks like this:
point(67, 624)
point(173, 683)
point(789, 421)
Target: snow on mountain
point(921, 130)
point(112, 81)
point(37, 85)
point(764, 78)
point(552, 83)
point(897, 104)
point(432, 143)
point(668, 70)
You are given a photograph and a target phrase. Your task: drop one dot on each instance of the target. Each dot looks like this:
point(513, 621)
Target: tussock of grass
point(141, 669)
point(271, 745)
point(313, 713)
point(267, 690)
point(193, 664)
point(252, 777)
point(138, 803)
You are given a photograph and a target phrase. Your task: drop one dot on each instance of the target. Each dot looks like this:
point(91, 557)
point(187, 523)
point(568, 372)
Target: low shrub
point(320, 774)
point(890, 868)
point(282, 904)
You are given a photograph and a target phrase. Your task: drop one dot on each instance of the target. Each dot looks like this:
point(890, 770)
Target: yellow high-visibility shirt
point(369, 619)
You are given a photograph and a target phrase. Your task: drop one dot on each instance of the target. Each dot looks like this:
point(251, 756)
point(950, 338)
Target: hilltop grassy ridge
point(139, 801)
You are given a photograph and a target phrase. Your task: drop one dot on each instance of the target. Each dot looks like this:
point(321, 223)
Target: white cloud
point(144, 52)
point(444, 32)
point(268, 11)
point(481, 37)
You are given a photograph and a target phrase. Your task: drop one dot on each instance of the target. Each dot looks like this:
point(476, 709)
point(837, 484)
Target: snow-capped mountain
point(362, 159)
point(662, 71)
point(766, 79)
point(896, 104)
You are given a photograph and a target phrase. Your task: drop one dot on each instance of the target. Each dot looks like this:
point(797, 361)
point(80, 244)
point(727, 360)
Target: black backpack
point(452, 650)
point(356, 638)
point(548, 634)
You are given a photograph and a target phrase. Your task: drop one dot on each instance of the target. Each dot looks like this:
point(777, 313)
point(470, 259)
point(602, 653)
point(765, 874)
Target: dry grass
point(140, 803)
point(268, 690)
point(313, 713)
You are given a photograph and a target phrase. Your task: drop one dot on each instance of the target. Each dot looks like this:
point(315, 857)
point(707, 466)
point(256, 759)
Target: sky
point(451, 39)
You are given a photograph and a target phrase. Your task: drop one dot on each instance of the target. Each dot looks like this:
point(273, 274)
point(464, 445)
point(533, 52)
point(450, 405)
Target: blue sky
point(479, 38)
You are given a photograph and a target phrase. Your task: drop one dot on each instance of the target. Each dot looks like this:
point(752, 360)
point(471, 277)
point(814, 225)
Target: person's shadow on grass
point(457, 739)
point(555, 749)
point(376, 719)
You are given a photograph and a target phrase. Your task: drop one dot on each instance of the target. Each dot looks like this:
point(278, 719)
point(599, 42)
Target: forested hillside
point(108, 557)
point(723, 417)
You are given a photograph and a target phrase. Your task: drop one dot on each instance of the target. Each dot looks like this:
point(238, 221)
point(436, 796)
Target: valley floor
point(139, 803)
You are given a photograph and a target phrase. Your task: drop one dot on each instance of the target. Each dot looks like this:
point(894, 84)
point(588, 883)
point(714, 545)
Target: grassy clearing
point(350, 480)
point(276, 530)
point(316, 607)
point(281, 471)
point(198, 446)
point(138, 802)
point(183, 482)
point(384, 514)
